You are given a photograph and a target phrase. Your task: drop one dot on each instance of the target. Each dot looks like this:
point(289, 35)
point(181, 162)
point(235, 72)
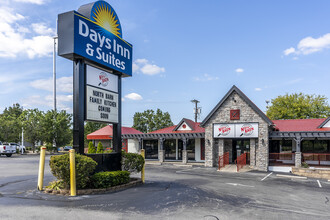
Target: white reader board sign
point(101, 79)
point(101, 105)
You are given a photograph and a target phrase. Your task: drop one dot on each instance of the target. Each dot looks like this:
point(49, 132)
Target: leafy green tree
point(57, 127)
point(31, 121)
point(90, 127)
point(150, 120)
point(298, 106)
point(10, 126)
point(99, 148)
point(91, 148)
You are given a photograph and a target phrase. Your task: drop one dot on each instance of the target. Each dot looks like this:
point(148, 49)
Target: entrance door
point(240, 146)
point(180, 148)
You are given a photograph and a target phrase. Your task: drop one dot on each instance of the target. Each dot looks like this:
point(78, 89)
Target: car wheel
point(8, 155)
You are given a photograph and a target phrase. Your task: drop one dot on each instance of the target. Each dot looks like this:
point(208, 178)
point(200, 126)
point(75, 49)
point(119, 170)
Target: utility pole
point(196, 109)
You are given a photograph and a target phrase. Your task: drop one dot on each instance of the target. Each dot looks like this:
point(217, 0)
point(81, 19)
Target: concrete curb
point(289, 176)
point(66, 192)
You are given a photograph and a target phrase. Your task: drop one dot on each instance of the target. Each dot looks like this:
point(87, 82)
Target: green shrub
point(60, 167)
point(132, 162)
point(99, 148)
point(91, 148)
point(56, 185)
point(109, 179)
point(305, 165)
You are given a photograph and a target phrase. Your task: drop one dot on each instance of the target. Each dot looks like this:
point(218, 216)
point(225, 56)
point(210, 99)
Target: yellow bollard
point(41, 168)
point(72, 172)
point(142, 171)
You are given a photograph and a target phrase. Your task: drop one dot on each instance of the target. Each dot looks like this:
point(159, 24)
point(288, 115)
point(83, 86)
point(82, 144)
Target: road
point(170, 192)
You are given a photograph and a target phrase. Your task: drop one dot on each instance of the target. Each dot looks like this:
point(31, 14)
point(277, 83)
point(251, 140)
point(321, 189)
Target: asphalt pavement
point(170, 192)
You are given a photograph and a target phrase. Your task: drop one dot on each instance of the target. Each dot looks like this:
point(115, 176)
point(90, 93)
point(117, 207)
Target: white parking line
point(319, 183)
point(266, 176)
point(238, 184)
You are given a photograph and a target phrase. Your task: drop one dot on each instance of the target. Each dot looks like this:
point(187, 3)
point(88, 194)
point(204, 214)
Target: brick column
point(184, 151)
point(161, 153)
point(298, 152)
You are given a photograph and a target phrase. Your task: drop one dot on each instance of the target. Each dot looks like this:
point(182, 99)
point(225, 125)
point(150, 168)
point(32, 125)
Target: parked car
point(67, 148)
point(7, 149)
point(18, 147)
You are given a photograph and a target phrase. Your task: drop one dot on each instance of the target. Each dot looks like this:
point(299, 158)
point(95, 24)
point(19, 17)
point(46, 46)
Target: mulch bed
point(66, 192)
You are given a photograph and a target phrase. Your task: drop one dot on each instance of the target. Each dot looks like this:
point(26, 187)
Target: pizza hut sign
point(239, 130)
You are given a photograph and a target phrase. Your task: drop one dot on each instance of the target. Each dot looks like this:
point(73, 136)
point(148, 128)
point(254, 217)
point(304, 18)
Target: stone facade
point(161, 156)
point(298, 159)
point(247, 114)
point(184, 156)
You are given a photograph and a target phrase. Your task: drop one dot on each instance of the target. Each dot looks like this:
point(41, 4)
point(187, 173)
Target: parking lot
point(170, 192)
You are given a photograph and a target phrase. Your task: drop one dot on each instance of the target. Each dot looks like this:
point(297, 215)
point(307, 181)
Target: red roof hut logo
point(104, 79)
point(247, 130)
point(224, 130)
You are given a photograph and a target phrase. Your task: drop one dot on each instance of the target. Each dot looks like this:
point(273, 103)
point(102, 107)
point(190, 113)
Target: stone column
point(252, 152)
point(184, 151)
point(161, 153)
point(298, 152)
point(221, 145)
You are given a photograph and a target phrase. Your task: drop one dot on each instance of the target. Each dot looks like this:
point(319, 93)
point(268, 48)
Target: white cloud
point(205, 77)
point(239, 70)
point(63, 84)
point(133, 96)
point(258, 89)
point(38, 2)
point(310, 45)
point(147, 68)
point(289, 51)
point(13, 36)
point(41, 28)
point(62, 102)
point(152, 69)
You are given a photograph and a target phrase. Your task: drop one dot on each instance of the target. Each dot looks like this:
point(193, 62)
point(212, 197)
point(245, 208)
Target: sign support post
point(78, 105)
point(117, 127)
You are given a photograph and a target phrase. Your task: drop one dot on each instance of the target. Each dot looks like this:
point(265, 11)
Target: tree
point(298, 106)
point(10, 126)
point(99, 148)
point(91, 148)
point(148, 120)
point(57, 127)
point(31, 121)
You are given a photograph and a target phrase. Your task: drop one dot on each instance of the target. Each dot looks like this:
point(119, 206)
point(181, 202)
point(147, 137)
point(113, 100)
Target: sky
point(182, 50)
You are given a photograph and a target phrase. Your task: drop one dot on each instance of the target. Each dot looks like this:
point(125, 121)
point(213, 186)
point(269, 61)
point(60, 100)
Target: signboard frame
point(234, 127)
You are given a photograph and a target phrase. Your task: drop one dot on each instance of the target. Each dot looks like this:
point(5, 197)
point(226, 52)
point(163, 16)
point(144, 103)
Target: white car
point(18, 147)
point(7, 149)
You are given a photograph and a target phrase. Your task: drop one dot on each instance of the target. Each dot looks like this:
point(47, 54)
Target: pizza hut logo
point(104, 80)
point(247, 130)
point(224, 130)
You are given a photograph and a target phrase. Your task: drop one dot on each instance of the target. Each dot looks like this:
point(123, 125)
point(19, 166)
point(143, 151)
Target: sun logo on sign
point(104, 16)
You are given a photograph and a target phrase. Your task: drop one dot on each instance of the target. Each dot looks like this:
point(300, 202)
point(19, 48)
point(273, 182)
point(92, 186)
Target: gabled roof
point(300, 125)
point(323, 123)
point(106, 132)
point(189, 122)
point(245, 98)
point(195, 126)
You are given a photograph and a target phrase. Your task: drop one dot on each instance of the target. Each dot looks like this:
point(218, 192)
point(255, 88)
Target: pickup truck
point(20, 148)
point(7, 149)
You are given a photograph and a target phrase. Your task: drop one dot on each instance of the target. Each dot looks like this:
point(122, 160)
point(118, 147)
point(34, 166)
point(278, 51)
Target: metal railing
point(241, 161)
point(316, 159)
point(223, 160)
point(281, 158)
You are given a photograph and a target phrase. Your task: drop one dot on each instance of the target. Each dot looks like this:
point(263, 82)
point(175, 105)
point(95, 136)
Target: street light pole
point(54, 72)
point(54, 82)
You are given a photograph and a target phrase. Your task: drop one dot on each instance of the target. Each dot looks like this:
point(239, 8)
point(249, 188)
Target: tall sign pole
point(92, 38)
